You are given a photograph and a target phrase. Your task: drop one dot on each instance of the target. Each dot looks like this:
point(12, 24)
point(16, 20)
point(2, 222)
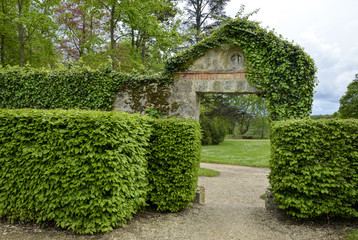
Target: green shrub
point(314, 167)
point(85, 170)
point(174, 163)
point(212, 132)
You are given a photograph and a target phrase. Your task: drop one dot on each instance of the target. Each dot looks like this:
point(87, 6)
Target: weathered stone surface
point(269, 202)
point(200, 195)
point(225, 58)
point(137, 100)
point(223, 86)
point(218, 71)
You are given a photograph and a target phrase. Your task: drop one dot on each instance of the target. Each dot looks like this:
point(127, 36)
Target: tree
point(81, 31)
point(141, 33)
point(244, 115)
point(213, 132)
point(349, 102)
point(201, 12)
point(151, 31)
point(114, 10)
point(8, 33)
point(27, 32)
point(36, 30)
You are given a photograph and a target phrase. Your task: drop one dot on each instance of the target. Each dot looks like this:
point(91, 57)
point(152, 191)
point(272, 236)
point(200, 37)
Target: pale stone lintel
point(211, 75)
point(224, 86)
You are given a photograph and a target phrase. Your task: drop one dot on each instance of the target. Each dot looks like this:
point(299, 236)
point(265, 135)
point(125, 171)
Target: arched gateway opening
point(219, 71)
point(239, 57)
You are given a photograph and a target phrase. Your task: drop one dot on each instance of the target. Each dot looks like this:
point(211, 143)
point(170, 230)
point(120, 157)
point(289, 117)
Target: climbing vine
point(74, 86)
point(281, 69)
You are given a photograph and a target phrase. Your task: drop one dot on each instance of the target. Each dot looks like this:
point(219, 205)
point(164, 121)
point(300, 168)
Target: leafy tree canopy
point(203, 14)
point(349, 102)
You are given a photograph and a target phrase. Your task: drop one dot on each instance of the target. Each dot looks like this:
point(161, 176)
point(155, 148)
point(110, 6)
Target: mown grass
point(254, 153)
point(351, 236)
point(208, 172)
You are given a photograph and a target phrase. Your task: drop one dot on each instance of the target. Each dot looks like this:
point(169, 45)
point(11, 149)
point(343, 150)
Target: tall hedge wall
point(66, 88)
point(90, 171)
point(314, 167)
point(85, 170)
point(174, 163)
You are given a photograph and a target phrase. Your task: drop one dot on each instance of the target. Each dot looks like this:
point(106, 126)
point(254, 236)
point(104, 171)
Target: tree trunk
point(113, 41)
point(198, 23)
point(2, 42)
point(143, 51)
point(132, 37)
point(21, 34)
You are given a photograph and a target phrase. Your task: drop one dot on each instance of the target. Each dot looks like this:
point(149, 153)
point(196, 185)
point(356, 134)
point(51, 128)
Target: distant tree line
point(135, 35)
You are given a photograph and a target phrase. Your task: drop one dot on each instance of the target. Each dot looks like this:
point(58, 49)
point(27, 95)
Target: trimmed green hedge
point(314, 167)
point(85, 170)
point(77, 87)
point(174, 163)
point(88, 170)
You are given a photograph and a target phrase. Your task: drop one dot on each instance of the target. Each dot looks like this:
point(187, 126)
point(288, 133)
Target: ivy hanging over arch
point(281, 69)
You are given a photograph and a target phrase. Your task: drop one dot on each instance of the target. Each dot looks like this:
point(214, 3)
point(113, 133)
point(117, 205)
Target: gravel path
point(233, 210)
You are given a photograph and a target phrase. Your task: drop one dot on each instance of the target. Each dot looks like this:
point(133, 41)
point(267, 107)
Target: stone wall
point(221, 70)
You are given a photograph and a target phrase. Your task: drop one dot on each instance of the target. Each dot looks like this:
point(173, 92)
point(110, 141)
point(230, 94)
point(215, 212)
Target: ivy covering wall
point(65, 87)
point(281, 69)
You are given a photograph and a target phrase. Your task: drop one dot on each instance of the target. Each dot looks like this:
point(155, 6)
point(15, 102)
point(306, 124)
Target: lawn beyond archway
point(238, 152)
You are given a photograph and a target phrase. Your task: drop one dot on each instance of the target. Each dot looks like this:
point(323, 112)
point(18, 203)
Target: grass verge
point(254, 153)
point(204, 172)
point(351, 236)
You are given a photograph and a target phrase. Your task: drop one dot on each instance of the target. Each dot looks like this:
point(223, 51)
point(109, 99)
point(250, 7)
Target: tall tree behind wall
point(8, 33)
point(36, 31)
point(245, 115)
point(349, 102)
point(202, 15)
point(81, 33)
point(136, 34)
point(140, 33)
point(151, 35)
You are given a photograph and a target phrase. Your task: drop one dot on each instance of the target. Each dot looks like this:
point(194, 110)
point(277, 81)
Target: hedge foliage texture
point(84, 170)
point(88, 170)
point(66, 88)
point(174, 163)
point(314, 167)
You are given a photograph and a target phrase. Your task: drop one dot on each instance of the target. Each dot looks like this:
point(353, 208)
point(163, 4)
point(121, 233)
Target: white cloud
point(320, 105)
point(327, 29)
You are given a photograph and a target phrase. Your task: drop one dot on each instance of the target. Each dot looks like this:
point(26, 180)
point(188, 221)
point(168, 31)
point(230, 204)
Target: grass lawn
point(351, 236)
point(208, 172)
point(254, 153)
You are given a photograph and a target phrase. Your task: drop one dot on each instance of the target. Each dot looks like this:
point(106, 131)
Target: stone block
point(200, 195)
point(269, 202)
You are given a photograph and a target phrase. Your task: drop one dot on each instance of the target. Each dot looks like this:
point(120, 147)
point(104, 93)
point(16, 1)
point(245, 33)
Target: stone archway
point(220, 70)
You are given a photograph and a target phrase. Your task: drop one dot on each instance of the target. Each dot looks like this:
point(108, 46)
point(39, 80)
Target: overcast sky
point(326, 29)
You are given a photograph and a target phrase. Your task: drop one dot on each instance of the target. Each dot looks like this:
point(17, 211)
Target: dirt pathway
point(233, 210)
